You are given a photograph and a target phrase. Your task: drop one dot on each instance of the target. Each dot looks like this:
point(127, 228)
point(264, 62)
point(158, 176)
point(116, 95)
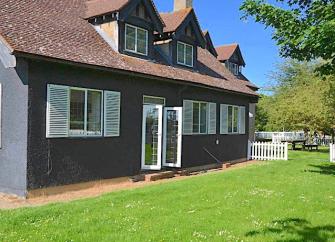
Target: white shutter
point(212, 118)
point(187, 117)
point(224, 119)
point(241, 120)
point(112, 102)
point(58, 102)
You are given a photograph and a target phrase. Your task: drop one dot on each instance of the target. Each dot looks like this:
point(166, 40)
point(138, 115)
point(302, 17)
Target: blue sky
point(222, 19)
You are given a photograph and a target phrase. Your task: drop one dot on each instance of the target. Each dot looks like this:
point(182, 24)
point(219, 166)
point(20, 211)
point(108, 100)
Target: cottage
point(99, 89)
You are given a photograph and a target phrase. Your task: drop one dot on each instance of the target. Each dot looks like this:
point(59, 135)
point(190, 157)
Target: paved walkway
point(93, 189)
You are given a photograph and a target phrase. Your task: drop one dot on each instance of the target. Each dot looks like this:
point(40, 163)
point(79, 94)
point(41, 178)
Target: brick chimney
point(182, 4)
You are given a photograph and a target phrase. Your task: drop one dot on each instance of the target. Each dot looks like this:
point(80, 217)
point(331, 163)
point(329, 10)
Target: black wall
point(69, 160)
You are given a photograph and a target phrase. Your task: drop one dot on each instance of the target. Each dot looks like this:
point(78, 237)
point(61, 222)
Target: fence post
point(286, 151)
point(249, 150)
point(331, 151)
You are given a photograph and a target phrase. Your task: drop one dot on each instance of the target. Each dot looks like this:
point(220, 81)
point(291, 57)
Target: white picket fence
point(332, 152)
point(267, 151)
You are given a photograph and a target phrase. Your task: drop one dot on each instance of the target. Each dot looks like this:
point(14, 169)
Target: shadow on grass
point(326, 169)
point(296, 229)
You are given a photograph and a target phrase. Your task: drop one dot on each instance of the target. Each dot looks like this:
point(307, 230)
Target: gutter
point(124, 72)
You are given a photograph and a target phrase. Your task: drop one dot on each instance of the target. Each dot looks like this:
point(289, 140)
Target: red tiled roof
point(174, 19)
point(55, 29)
point(96, 8)
point(226, 51)
point(99, 7)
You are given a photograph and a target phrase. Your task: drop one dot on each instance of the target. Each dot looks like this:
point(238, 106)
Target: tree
point(300, 100)
point(262, 112)
point(304, 29)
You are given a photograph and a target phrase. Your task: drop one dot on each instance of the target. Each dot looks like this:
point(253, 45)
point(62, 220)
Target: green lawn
point(275, 201)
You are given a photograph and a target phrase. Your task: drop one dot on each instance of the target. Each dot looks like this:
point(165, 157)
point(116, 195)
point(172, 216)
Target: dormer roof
point(226, 52)
point(95, 8)
point(174, 19)
point(209, 43)
point(179, 19)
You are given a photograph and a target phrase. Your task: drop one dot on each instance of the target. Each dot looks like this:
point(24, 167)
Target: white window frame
point(184, 63)
point(207, 115)
point(234, 68)
point(153, 97)
point(232, 120)
point(86, 133)
point(125, 40)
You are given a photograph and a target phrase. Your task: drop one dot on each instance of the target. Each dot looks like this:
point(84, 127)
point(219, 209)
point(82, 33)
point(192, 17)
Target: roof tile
point(55, 29)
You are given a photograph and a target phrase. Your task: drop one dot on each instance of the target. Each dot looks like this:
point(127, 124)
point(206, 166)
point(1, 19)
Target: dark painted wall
point(69, 160)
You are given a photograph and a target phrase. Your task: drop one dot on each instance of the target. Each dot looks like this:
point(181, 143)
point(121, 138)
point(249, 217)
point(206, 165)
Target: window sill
point(135, 53)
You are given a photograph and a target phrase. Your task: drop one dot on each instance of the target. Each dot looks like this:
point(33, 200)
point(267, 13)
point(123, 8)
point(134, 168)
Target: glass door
point(172, 137)
point(152, 137)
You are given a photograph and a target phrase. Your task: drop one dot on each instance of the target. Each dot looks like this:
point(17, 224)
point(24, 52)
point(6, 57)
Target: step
point(159, 176)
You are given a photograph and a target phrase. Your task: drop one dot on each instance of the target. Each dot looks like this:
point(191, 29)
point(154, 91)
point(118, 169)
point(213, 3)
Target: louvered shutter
point(212, 118)
point(112, 102)
point(241, 120)
point(224, 119)
point(58, 102)
point(187, 117)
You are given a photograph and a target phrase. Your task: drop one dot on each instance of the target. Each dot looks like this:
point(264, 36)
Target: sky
point(223, 20)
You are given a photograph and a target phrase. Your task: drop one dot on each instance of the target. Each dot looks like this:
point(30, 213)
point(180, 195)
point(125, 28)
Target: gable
point(184, 23)
point(209, 44)
point(145, 10)
point(231, 53)
point(237, 57)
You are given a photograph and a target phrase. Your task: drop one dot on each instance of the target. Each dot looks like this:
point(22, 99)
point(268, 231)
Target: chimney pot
point(182, 4)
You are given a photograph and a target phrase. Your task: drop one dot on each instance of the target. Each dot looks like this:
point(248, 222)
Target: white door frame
point(179, 149)
point(159, 142)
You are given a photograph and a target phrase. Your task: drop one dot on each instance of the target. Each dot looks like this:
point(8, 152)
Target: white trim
point(232, 120)
point(207, 110)
point(125, 40)
point(158, 166)
point(180, 133)
point(154, 97)
point(184, 63)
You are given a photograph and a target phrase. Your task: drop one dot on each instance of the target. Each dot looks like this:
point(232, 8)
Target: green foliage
point(262, 116)
point(301, 100)
point(272, 201)
point(304, 29)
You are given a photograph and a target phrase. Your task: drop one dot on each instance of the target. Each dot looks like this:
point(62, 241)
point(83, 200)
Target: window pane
point(235, 119)
point(196, 118)
point(130, 38)
point(142, 41)
point(203, 118)
point(180, 53)
point(153, 100)
point(94, 109)
point(189, 55)
point(230, 119)
point(77, 111)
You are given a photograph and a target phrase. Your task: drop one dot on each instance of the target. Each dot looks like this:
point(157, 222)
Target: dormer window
point(234, 68)
point(184, 54)
point(136, 40)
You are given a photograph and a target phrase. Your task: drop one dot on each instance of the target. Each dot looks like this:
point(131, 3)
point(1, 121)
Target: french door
point(153, 151)
point(172, 139)
point(152, 137)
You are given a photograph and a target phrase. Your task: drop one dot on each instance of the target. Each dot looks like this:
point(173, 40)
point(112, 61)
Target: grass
point(274, 201)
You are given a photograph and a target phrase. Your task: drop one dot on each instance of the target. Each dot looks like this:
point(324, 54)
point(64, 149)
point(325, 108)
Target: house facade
point(103, 89)
point(231, 57)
